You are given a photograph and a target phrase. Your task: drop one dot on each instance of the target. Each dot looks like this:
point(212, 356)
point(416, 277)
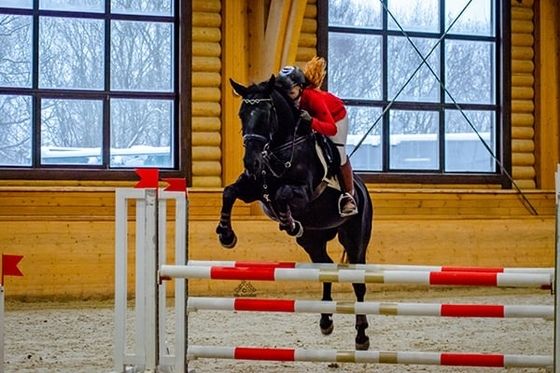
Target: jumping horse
point(283, 172)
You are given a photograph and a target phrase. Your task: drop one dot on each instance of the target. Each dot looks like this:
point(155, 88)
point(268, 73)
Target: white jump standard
point(149, 351)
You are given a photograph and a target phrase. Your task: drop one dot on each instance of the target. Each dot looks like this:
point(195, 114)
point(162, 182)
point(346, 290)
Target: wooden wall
point(206, 93)
point(523, 94)
point(67, 235)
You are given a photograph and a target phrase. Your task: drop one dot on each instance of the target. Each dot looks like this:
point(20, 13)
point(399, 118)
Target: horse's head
point(266, 118)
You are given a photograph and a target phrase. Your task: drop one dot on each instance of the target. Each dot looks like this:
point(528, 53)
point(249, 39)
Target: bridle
point(255, 136)
point(268, 153)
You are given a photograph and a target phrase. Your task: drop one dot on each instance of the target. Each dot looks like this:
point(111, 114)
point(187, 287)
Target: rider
point(327, 115)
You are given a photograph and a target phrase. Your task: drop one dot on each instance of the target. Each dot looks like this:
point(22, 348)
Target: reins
point(270, 154)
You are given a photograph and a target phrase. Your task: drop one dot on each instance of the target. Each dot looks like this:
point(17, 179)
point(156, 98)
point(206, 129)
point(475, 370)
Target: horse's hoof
point(326, 325)
point(297, 231)
point(228, 244)
point(328, 330)
point(362, 346)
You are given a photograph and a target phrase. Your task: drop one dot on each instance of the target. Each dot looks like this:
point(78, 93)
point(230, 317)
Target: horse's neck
point(286, 110)
point(286, 125)
point(305, 166)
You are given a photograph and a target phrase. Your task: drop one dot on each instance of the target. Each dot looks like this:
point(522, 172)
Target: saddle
point(330, 159)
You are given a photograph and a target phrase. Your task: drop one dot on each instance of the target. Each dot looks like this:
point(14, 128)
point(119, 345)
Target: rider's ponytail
point(315, 71)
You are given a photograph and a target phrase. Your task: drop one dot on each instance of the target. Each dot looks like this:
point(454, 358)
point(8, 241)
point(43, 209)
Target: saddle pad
point(331, 182)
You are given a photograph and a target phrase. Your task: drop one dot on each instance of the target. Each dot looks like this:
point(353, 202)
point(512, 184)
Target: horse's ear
point(271, 83)
point(238, 89)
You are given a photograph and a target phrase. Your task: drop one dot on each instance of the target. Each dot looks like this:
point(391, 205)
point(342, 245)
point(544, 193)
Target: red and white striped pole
point(369, 308)
point(375, 357)
point(370, 267)
point(358, 276)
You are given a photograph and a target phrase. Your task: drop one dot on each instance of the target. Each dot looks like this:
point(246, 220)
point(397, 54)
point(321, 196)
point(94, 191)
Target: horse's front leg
point(287, 199)
point(242, 189)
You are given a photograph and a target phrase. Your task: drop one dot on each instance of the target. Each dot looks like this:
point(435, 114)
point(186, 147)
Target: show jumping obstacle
point(294, 272)
point(280, 272)
point(151, 352)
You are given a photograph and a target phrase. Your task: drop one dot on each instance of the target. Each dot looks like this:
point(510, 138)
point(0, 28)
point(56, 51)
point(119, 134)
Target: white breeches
point(340, 138)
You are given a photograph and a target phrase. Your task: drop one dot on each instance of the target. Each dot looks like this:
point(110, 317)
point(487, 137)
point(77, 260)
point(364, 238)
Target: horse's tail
point(365, 208)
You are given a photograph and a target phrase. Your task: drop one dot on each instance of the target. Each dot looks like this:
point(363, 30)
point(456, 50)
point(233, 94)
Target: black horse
point(284, 173)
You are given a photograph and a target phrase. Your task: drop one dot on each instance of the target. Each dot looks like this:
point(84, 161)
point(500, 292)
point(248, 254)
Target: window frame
point(502, 176)
point(181, 96)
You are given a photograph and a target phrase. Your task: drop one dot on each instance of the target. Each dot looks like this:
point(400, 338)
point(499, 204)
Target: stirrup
point(342, 200)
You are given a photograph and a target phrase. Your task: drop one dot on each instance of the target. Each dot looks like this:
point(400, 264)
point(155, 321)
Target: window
point(90, 89)
point(425, 83)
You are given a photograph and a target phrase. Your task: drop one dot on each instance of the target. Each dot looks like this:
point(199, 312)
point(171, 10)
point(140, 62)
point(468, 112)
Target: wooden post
point(1, 328)
point(547, 91)
point(556, 278)
point(281, 37)
point(235, 66)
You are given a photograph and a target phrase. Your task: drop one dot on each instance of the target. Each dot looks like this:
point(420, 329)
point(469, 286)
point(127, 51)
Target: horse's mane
point(278, 90)
point(284, 86)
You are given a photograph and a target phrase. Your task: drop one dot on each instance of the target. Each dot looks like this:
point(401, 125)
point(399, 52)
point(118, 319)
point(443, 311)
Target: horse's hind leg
point(315, 244)
point(326, 322)
point(362, 340)
point(355, 239)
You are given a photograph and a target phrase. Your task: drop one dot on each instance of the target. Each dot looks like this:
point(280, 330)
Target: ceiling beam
point(274, 44)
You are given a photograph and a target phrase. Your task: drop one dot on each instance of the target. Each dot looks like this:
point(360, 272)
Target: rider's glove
point(306, 119)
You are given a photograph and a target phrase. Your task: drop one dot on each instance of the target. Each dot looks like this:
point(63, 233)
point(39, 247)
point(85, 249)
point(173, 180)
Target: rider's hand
point(306, 119)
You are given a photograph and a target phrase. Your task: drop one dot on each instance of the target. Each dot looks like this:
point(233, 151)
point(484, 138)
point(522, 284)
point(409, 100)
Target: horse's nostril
point(253, 166)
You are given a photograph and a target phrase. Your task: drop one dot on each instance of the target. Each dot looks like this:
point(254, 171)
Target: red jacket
point(325, 108)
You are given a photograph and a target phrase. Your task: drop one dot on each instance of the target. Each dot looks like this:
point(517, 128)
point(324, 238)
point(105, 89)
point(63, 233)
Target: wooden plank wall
point(206, 93)
point(547, 91)
point(67, 236)
point(307, 43)
point(522, 94)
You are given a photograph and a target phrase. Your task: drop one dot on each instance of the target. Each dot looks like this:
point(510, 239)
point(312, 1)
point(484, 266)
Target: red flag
point(9, 265)
point(148, 177)
point(176, 184)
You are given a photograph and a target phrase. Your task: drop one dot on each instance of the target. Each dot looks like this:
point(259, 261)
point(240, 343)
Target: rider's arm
point(314, 103)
